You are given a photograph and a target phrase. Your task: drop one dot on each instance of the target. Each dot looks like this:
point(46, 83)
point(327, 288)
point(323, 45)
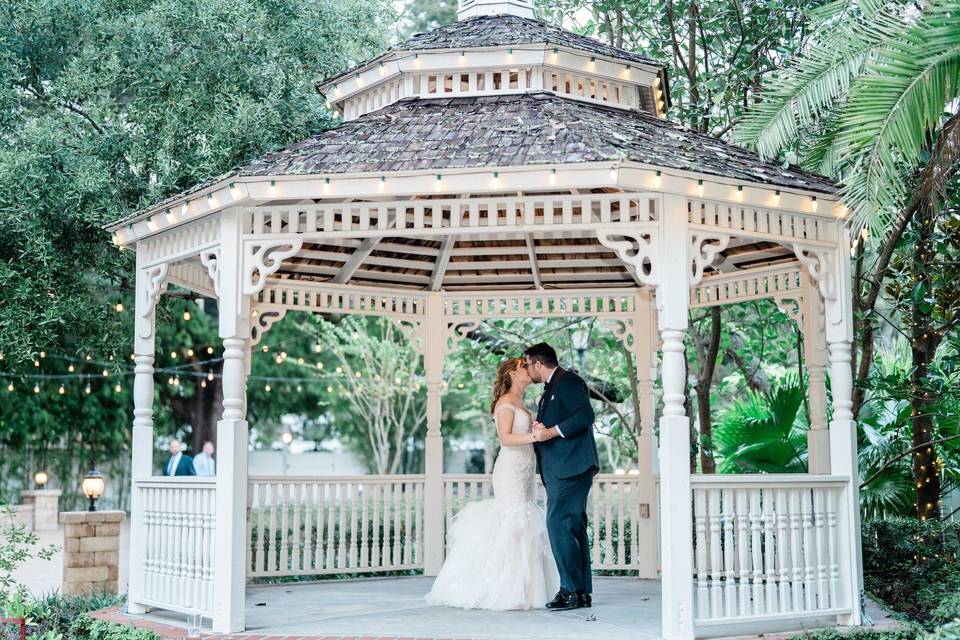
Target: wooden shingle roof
point(504, 31)
point(517, 130)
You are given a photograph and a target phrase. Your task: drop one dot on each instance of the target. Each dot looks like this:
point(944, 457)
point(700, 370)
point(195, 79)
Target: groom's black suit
point(567, 465)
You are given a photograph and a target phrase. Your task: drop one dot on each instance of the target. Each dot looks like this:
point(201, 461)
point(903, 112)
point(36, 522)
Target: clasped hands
point(542, 433)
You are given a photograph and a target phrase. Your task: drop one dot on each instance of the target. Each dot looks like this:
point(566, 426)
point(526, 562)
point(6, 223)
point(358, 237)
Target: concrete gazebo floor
point(393, 608)
point(626, 608)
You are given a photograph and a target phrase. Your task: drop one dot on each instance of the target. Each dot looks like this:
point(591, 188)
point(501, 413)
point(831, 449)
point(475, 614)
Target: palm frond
point(895, 107)
point(795, 99)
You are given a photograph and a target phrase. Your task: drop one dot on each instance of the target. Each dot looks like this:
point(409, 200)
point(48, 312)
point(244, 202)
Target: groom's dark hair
point(543, 353)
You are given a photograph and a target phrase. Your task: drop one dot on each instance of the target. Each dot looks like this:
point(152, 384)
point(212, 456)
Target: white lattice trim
point(502, 212)
point(749, 221)
point(319, 297)
point(748, 284)
point(541, 304)
point(192, 276)
point(182, 242)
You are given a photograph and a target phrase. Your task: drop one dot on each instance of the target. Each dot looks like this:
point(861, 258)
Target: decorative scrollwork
point(460, 329)
point(635, 249)
point(263, 260)
point(792, 305)
point(263, 320)
point(211, 260)
point(820, 265)
point(704, 248)
point(155, 283)
point(623, 329)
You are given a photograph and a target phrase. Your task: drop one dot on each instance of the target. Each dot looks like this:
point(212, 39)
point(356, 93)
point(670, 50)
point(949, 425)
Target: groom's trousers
point(567, 529)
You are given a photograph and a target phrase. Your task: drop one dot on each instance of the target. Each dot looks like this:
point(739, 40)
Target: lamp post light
point(40, 478)
point(92, 486)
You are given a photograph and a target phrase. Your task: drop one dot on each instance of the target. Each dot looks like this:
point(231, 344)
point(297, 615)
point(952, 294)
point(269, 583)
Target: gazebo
point(499, 167)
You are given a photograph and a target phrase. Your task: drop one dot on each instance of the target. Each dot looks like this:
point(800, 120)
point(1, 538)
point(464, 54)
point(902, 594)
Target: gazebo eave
point(238, 191)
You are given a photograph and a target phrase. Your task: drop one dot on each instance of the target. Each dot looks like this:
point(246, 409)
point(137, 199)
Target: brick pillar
point(91, 551)
point(46, 507)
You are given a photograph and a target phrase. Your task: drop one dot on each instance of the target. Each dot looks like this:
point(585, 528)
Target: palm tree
point(764, 432)
point(871, 102)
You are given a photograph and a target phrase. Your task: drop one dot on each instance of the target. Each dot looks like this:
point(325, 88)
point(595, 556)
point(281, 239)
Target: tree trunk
point(923, 346)
point(708, 463)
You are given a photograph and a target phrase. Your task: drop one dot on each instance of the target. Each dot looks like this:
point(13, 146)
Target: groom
point(567, 457)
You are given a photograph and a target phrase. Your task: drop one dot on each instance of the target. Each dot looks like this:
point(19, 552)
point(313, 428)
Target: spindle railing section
point(178, 542)
point(301, 526)
point(613, 509)
point(766, 547)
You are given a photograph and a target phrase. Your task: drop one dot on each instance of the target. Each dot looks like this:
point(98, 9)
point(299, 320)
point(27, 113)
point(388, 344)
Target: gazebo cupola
point(496, 48)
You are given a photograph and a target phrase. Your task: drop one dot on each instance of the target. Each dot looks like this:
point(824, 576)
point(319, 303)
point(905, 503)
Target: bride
point(498, 553)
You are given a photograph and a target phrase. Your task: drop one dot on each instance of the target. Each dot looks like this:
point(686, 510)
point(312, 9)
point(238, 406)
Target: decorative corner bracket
point(820, 264)
point(155, 284)
point(263, 319)
point(262, 260)
point(704, 248)
point(211, 260)
point(636, 249)
point(792, 305)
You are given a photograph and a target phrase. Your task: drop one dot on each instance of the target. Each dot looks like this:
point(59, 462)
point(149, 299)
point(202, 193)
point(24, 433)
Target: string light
point(87, 389)
point(61, 390)
point(118, 388)
point(186, 315)
point(10, 387)
point(119, 307)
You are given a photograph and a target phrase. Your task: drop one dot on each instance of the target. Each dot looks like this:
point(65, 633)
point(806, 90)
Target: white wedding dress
point(498, 553)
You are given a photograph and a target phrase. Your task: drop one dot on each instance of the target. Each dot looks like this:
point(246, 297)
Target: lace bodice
point(513, 472)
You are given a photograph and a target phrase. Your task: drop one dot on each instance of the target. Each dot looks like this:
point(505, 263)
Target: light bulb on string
point(70, 368)
point(106, 374)
point(61, 390)
point(10, 387)
point(36, 388)
point(87, 389)
point(209, 350)
point(203, 384)
point(119, 307)
point(118, 388)
point(186, 315)
point(209, 375)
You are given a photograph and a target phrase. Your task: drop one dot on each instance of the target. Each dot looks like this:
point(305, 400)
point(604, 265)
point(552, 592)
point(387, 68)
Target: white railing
point(766, 547)
point(613, 509)
point(314, 525)
point(178, 522)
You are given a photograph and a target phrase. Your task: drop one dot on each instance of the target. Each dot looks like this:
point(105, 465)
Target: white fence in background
point(613, 509)
point(766, 547)
point(315, 525)
point(178, 521)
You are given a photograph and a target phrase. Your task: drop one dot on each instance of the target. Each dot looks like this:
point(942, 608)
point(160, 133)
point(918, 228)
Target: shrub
point(910, 632)
point(948, 610)
point(54, 613)
point(87, 628)
point(911, 565)
point(946, 632)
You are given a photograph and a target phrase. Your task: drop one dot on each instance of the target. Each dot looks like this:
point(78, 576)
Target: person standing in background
point(203, 462)
point(179, 463)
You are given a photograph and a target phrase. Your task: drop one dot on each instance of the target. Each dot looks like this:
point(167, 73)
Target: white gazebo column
point(646, 347)
point(232, 434)
point(149, 285)
point(830, 268)
point(434, 337)
point(815, 355)
point(672, 274)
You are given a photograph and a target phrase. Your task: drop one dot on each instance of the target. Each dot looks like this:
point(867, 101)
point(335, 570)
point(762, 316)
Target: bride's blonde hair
point(502, 383)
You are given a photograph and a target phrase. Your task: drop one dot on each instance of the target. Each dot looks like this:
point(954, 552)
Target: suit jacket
point(184, 467)
point(566, 404)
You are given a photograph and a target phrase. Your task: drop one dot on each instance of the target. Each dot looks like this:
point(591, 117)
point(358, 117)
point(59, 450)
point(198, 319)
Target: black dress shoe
point(564, 601)
point(585, 599)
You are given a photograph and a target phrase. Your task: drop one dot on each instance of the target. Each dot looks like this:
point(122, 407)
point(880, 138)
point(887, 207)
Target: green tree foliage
point(717, 52)
point(109, 106)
